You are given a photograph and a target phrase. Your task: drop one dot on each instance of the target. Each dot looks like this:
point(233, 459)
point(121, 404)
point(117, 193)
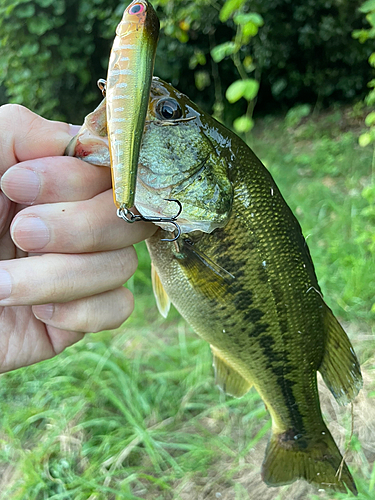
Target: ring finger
point(104, 311)
point(62, 278)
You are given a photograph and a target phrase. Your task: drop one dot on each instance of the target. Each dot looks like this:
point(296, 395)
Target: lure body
point(129, 77)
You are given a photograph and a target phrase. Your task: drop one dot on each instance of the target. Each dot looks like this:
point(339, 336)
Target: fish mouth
point(160, 205)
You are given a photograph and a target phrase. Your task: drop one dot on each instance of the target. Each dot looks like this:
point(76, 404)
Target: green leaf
point(367, 6)
point(370, 98)
point(25, 11)
point(198, 58)
point(39, 25)
point(371, 18)
point(242, 88)
point(44, 3)
point(202, 79)
point(370, 119)
point(229, 8)
point(249, 30)
point(223, 50)
point(248, 64)
point(361, 35)
point(295, 115)
point(243, 124)
point(29, 50)
point(371, 60)
point(251, 17)
point(364, 139)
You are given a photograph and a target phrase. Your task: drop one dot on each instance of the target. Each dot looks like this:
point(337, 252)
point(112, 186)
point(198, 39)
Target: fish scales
point(254, 319)
point(241, 274)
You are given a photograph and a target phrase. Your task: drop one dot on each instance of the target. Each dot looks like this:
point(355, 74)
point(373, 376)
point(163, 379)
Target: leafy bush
point(306, 51)
point(53, 51)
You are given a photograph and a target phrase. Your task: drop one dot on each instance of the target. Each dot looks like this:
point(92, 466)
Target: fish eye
point(168, 109)
point(137, 8)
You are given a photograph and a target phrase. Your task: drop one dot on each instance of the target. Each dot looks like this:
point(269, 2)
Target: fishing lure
point(127, 90)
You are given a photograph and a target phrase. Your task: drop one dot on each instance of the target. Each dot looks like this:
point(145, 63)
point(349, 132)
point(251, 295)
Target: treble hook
point(102, 84)
point(128, 216)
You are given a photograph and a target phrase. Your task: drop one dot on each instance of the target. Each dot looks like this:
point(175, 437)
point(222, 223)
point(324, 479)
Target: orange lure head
point(139, 13)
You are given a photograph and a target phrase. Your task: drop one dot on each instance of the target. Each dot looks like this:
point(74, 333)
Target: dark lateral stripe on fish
point(253, 315)
point(257, 331)
point(242, 298)
point(282, 313)
point(296, 417)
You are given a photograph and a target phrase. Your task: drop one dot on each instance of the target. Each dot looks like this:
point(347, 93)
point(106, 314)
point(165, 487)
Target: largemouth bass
point(130, 70)
point(242, 276)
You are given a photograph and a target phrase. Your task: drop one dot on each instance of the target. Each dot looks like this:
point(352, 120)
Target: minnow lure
point(130, 70)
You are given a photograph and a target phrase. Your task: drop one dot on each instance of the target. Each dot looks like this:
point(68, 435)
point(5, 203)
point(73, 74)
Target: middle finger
point(76, 227)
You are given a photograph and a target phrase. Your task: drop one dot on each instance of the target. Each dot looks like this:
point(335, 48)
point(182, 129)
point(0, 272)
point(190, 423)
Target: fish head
point(181, 159)
point(185, 155)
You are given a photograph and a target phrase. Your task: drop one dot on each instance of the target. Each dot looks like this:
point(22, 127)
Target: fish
point(130, 71)
point(242, 276)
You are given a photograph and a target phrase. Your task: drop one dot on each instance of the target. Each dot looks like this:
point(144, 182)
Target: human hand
point(76, 253)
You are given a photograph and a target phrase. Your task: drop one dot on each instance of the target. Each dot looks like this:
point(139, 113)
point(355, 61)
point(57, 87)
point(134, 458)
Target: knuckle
point(124, 305)
point(106, 311)
point(66, 278)
point(92, 234)
point(10, 111)
point(129, 303)
point(126, 260)
point(16, 116)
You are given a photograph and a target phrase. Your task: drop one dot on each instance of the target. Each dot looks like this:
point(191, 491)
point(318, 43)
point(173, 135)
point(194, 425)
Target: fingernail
point(21, 184)
point(5, 284)
point(30, 233)
point(44, 311)
point(74, 129)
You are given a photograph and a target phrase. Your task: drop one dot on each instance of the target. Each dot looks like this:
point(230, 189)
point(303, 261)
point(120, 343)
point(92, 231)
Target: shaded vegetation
point(53, 51)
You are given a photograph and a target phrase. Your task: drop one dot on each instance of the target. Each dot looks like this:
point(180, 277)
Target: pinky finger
point(104, 311)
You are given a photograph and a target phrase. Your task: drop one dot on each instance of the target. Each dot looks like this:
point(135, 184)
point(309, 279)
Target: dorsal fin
point(340, 367)
point(161, 297)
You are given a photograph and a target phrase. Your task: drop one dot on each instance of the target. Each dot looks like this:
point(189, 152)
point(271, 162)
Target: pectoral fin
point(227, 378)
point(340, 367)
point(162, 299)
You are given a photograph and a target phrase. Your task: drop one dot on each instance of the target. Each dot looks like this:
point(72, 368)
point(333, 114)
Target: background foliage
point(53, 51)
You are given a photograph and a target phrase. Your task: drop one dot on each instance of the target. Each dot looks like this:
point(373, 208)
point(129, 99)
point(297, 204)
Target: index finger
point(26, 136)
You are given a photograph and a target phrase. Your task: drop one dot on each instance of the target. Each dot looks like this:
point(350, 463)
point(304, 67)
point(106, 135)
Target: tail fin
point(317, 460)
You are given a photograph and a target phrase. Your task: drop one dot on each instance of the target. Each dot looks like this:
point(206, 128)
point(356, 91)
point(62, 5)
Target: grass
point(135, 414)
